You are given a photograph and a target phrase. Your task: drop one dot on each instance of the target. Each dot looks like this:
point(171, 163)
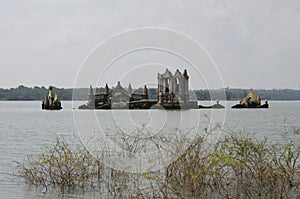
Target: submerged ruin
point(251, 101)
point(51, 101)
point(173, 93)
point(118, 98)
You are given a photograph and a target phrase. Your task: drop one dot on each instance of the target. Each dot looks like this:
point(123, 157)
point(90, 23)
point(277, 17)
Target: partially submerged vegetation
point(237, 166)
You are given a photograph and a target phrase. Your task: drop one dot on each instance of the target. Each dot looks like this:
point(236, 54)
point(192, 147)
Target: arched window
point(177, 84)
point(167, 83)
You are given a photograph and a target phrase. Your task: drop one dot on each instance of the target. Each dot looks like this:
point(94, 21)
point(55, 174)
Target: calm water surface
point(26, 129)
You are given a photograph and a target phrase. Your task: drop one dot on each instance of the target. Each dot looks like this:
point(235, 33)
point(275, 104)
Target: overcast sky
point(255, 44)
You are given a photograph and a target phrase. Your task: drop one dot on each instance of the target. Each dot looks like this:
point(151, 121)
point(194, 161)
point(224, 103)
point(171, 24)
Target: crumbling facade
point(117, 97)
point(173, 90)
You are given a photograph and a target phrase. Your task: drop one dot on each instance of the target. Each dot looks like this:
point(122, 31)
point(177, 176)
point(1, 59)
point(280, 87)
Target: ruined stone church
point(173, 93)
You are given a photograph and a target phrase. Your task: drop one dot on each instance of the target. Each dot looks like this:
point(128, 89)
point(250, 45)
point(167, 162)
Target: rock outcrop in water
point(214, 106)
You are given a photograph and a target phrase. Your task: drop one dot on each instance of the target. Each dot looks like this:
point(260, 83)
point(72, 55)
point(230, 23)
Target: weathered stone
point(173, 93)
point(251, 101)
point(51, 102)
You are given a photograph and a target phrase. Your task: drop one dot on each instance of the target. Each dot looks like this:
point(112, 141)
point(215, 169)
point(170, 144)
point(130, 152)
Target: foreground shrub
point(246, 168)
point(62, 166)
point(237, 166)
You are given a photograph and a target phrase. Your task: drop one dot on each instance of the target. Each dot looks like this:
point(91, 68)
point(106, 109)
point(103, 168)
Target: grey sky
point(254, 43)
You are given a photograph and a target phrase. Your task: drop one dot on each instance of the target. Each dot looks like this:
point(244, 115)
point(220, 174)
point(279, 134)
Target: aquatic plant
point(237, 166)
point(63, 166)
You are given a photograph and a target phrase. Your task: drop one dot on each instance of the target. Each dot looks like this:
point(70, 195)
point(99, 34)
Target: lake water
point(26, 129)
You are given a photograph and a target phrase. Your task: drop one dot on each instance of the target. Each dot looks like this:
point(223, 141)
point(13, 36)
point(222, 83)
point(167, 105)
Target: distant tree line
point(238, 94)
point(38, 93)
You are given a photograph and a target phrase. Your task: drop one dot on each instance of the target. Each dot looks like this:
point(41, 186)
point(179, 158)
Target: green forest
point(38, 93)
